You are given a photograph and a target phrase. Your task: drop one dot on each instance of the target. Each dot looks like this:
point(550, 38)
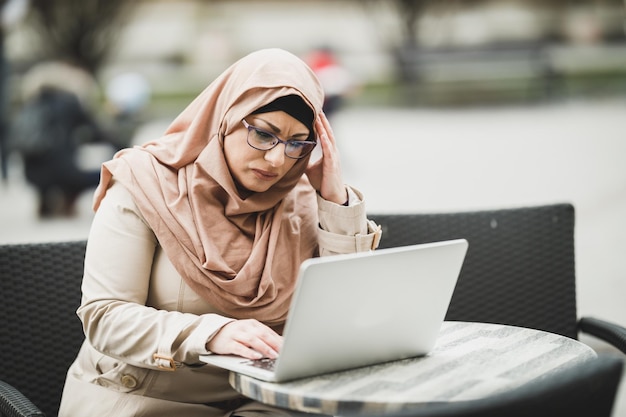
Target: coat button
point(129, 381)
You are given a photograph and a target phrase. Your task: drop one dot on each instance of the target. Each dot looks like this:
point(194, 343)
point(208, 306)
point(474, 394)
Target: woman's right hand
point(248, 338)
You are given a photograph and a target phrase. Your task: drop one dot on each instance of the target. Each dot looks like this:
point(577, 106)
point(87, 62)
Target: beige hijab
point(240, 254)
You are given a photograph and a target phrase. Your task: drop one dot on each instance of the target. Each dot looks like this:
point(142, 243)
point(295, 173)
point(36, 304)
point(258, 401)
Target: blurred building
point(447, 50)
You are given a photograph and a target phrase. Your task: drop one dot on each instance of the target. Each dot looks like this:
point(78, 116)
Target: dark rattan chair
point(41, 334)
point(519, 269)
point(587, 389)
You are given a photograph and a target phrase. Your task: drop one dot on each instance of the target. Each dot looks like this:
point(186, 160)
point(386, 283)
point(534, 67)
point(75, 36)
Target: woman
point(197, 240)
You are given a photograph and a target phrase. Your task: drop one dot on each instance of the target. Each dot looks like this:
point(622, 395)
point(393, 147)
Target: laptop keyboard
point(263, 363)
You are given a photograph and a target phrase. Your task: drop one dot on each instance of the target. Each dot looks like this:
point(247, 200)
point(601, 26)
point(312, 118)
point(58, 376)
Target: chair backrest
point(587, 389)
point(41, 334)
point(520, 265)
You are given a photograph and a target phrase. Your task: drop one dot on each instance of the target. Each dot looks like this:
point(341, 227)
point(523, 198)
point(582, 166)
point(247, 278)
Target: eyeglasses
point(263, 140)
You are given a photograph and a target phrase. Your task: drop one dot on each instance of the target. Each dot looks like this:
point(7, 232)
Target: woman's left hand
point(325, 173)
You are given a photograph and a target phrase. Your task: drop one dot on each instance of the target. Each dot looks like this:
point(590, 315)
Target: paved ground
point(441, 160)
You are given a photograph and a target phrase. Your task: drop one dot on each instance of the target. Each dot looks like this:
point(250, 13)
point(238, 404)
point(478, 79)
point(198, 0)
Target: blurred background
point(440, 105)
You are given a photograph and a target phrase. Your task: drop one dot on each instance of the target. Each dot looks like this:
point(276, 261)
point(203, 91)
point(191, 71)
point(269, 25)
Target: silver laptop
point(361, 309)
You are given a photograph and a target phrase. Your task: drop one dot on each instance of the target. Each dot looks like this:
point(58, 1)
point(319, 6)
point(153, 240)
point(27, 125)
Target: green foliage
point(82, 32)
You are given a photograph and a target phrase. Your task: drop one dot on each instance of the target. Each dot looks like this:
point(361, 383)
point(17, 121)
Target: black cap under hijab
point(294, 106)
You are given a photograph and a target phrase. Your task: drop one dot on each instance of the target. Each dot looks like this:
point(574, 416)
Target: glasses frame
point(276, 141)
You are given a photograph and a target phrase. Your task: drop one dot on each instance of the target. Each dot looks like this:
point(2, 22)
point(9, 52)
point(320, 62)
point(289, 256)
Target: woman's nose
point(276, 155)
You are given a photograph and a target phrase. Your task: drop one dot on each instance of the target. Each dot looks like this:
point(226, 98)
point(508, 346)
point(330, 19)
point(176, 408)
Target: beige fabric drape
point(240, 254)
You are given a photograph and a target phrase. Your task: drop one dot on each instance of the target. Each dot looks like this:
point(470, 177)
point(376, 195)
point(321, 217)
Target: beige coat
point(143, 360)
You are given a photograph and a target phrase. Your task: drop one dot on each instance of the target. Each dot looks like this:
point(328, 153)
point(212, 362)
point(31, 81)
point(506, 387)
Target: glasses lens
point(264, 141)
point(299, 148)
point(261, 140)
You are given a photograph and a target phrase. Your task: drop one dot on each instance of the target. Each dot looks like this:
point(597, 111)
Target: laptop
point(361, 309)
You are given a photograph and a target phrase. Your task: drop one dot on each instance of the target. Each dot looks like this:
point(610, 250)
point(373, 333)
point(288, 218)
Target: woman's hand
point(249, 338)
point(325, 173)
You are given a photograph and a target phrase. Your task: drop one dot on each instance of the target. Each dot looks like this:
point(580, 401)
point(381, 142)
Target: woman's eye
point(264, 136)
point(295, 144)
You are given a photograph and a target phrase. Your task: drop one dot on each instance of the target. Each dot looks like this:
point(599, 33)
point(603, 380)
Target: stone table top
point(469, 361)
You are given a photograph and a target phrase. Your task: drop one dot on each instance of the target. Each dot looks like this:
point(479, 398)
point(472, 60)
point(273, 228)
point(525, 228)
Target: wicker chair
point(519, 269)
point(41, 334)
point(587, 389)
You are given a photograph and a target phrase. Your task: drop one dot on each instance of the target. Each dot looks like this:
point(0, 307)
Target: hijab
point(241, 254)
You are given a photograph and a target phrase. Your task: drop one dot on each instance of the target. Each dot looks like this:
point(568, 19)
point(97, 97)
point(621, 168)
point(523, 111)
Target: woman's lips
point(264, 175)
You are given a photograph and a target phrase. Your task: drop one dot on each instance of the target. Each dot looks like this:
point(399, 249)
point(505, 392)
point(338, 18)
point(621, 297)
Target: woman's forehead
point(278, 122)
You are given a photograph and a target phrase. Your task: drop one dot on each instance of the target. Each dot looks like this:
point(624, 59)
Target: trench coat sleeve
point(116, 320)
point(346, 229)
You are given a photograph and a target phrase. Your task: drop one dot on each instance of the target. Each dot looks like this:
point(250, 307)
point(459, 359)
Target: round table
point(469, 361)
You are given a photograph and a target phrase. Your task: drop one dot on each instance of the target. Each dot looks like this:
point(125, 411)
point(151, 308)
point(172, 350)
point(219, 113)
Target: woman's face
point(256, 170)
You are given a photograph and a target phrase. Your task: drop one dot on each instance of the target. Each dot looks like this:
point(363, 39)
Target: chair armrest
point(609, 332)
point(14, 404)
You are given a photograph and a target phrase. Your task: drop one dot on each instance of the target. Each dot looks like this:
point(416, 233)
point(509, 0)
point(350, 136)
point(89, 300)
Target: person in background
point(197, 241)
point(11, 13)
point(49, 130)
point(336, 80)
